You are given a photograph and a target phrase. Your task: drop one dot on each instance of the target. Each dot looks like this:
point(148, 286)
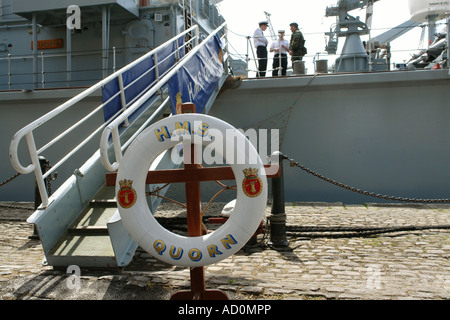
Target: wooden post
point(194, 220)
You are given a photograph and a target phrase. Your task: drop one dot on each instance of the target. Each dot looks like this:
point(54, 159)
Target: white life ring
point(251, 198)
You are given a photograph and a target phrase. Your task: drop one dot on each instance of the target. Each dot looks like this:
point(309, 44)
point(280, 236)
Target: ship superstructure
point(82, 42)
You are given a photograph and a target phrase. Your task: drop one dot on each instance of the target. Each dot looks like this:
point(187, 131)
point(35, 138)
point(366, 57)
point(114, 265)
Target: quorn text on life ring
point(194, 254)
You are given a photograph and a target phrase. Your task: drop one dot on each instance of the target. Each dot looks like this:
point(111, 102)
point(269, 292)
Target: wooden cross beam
point(198, 174)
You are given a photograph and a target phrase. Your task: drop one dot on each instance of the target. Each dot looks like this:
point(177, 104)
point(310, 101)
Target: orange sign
point(49, 44)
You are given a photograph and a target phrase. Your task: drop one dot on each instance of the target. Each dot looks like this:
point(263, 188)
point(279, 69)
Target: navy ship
point(80, 80)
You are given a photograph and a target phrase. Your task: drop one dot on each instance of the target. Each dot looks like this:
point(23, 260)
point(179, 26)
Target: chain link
point(293, 163)
point(10, 179)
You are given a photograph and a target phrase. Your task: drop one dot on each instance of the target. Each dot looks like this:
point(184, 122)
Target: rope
point(205, 230)
point(347, 232)
point(224, 188)
point(7, 206)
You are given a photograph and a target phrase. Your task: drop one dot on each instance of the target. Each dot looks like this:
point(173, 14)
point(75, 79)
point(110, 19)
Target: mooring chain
point(10, 179)
point(293, 163)
point(7, 206)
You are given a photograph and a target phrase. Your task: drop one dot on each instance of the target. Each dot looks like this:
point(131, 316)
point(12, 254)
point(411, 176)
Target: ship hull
point(384, 132)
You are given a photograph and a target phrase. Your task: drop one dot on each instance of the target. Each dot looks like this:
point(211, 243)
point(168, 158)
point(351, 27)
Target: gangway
point(79, 223)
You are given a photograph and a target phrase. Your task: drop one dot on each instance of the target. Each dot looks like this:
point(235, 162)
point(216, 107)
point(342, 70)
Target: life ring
point(138, 220)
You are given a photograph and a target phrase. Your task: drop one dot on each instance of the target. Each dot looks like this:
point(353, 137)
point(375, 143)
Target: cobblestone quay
point(342, 258)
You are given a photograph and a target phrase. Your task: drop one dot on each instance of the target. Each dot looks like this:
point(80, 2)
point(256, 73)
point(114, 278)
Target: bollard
point(277, 218)
point(321, 66)
point(298, 67)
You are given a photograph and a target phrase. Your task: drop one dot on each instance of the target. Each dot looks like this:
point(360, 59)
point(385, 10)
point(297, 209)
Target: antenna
point(272, 31)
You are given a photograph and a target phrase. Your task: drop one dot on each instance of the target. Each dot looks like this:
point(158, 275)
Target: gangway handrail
point(27, 131)
point(112, 130)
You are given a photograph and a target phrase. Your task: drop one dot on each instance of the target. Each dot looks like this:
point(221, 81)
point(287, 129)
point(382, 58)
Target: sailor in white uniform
point(281, 49)
point(260, 42)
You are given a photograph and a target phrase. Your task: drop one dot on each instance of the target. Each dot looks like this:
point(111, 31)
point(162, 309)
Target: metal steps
point(79, 223)
point(96, 237)
point(88, 238)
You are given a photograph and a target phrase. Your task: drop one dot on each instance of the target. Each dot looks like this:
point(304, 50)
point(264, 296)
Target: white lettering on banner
point(193, 92)
point(197, 81)
point(203, 76)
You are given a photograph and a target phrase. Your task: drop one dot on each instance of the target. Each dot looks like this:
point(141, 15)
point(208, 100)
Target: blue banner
point(196, 81)
point(139, 78)
point(112, 88)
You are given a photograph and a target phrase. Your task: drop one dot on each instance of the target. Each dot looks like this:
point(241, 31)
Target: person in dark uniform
point(297, 45)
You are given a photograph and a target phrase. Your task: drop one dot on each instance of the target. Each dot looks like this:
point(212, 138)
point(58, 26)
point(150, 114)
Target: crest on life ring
point(127, 195)
point(252, 184)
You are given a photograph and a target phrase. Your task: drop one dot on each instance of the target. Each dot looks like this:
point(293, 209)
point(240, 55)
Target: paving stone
point(256, 290)
point(399, 265)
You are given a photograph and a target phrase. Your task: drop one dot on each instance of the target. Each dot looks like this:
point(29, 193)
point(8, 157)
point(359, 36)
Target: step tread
point(73, 245)
point(94, 217)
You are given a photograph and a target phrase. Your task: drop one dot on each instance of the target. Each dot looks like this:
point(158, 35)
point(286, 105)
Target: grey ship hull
point(383, 132)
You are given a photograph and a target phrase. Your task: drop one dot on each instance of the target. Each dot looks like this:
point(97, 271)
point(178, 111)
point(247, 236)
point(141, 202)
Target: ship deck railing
point(112, 130)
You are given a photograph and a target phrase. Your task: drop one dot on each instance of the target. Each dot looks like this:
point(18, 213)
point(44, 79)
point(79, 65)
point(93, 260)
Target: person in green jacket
point(297, 45)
